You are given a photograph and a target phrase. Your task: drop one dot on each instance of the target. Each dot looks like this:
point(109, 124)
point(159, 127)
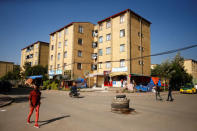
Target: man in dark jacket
point(170, 94)
point(157, 89)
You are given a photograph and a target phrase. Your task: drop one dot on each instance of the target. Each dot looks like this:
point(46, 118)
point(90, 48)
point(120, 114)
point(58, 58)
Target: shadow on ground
point(128, 111)
point(52, 120)
point(23, 99)
point(18, 91)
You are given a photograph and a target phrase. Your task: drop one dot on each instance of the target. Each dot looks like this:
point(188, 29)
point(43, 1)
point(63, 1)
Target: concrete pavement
point(93, 113)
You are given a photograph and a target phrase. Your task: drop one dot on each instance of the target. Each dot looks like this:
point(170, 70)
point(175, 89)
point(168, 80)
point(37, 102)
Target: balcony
point(95, 33)
point(94, 56)
point(94, 44)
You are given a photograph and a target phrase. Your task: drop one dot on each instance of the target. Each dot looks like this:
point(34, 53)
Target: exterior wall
point(191, 68)
point(86, 49)
point(72, 49)
point(40, 54)
point(5, 67)
point(139, 27)
point(43, 55)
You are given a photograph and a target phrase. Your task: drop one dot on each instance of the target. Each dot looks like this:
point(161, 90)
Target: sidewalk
point(5, 100)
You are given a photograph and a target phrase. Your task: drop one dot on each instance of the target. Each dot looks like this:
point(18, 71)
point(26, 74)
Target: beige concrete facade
point(5, 67)
point(36, 53)
point(191, 68)
point(122, 40)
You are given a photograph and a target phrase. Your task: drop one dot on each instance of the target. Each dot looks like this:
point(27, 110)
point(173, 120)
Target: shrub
point(54, 85)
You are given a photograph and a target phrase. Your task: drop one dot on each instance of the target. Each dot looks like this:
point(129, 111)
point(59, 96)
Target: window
point(66, 42)
point(79, 66)
point(141, 62)
point(66, 31)
point(94, 56)
point(59, 45)
point(36, 54)
point(93, 66)
point(108, 37)
point(122, 47)
point(51, 57)
point(101, 39)
point(58, 56)
point(100, 65)
point(108, 50)
point(100, 52)
point(122, 63)
point(52, 46)
point(58, 66)
point(36, 62)
point(80, 29)
point(108, 64)
point(94, 44)
point(108, 24)
point(140, 48)
point(51, 67)
point(37, 45)
point(59, 34)
point(121, 18)
point(65, 54)
point(65, 66)
point(139, 34)
point(80, 41)
point(100, 26)
point(95, 33)
point(122, 33)
point(52, 37)
point(79, 53)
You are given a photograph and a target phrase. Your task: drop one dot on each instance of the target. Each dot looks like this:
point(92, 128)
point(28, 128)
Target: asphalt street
point(59, 112)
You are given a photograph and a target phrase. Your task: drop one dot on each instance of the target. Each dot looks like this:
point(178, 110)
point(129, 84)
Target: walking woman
point(34, 102)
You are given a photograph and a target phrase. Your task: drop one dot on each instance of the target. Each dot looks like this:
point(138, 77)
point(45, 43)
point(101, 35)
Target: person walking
point(157, 92)
point(170, 94)
point(34, 102)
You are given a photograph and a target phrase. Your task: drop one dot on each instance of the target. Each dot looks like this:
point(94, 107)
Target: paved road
point(58, 112)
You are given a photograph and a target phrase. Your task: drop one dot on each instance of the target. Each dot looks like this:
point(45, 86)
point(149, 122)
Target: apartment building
point(36, 54)
point(113, 47)
point(5, 67)
point(191, 68)
point(71, 49)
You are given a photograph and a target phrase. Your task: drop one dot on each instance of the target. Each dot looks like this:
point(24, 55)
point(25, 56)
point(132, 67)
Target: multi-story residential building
point(36, 54)
point(191, 68)
point(115, 46)
point(71, 49)
point(5, 67)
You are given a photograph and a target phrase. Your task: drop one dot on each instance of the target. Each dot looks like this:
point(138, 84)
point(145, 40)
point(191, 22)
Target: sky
point(23, 22)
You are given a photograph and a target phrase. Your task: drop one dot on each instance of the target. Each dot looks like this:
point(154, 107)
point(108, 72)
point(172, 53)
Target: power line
point(157, 54)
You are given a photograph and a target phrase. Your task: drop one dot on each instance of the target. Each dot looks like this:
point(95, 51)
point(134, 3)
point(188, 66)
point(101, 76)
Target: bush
point(5, 86)
point(54, 85)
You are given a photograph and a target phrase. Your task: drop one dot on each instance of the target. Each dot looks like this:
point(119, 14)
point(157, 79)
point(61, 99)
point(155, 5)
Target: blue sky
point(22, 22)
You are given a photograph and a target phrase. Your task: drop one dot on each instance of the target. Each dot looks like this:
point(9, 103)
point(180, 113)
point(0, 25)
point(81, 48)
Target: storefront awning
point(117, 73)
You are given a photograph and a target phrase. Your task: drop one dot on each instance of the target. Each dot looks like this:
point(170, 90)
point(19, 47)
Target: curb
point(8, 102)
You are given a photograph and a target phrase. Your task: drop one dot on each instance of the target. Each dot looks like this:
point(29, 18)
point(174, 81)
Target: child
point(34, 101)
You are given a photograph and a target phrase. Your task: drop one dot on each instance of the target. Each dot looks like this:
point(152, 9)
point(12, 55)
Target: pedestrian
point(157, 92)
point(34, 102)
point(122, 83)
point(170, 94)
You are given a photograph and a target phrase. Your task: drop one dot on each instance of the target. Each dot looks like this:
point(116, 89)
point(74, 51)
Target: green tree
point(12, 75)
point(174, 71)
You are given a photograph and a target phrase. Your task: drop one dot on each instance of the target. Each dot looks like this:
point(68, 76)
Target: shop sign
point(121, 69)
point(58, 72)
point(51, 72)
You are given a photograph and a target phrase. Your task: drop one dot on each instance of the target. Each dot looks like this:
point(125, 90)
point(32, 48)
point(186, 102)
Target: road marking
point(3, 110)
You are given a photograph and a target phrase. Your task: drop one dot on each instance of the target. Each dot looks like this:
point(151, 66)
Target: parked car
point(189, 88)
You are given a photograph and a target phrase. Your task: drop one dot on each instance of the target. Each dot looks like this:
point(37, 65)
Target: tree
point(34, 70)
point(12, 75)
point(174, 71)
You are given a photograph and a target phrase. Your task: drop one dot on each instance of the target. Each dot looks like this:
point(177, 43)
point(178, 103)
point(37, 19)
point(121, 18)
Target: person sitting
point(74, 89)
